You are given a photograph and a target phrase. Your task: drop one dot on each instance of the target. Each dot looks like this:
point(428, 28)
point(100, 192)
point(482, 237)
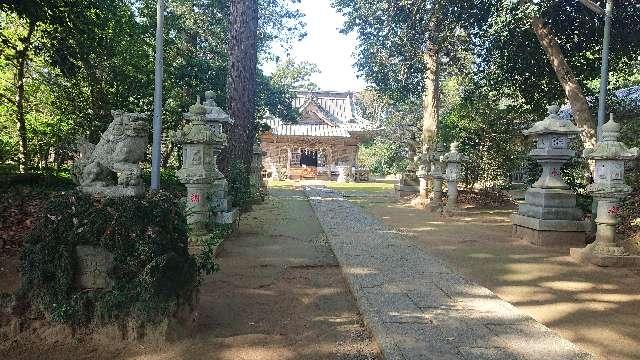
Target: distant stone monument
point(345, 174)
point(452, 175)
point(111, 168)
point(437, 175)
point(608, 190)
point(409, 183)
point(424, 167)
point(549, 216)
point(256, 168)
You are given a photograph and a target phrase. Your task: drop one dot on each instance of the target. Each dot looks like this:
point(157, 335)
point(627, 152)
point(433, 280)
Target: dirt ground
point(596, 308)
point(279, 295)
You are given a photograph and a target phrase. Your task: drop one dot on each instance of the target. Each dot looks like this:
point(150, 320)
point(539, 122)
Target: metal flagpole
point(604, 69)
point(157, 101)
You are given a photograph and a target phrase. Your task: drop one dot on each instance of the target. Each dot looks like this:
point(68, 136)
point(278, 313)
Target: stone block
point(406, 190)
point(555, 198)
point(550, 213)
point(549, 237)
point(227, 217)
point(220, 204)
point(93, 265)
point(584, 256)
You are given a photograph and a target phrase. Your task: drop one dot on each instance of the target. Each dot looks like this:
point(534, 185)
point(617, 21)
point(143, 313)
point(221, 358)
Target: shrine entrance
point(309, 158)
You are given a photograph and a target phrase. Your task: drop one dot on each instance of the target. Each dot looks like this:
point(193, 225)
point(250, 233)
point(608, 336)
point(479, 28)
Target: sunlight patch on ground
point(569, 285)
point(558, 311)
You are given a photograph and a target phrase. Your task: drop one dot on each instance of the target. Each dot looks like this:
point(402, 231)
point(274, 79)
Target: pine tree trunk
point(21, 59)
point(242, 83)
point(573, 91)
point(431, 95)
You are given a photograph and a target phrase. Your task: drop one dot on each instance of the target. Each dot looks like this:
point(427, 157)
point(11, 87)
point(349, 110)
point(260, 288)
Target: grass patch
point(361, 187)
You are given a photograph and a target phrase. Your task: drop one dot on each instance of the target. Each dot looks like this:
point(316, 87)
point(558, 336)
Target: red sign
point(195, 198)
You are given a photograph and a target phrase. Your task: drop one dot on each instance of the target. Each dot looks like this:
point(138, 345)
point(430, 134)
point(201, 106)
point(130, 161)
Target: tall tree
point(402, 45)
point(242, 81)
point(534, 45)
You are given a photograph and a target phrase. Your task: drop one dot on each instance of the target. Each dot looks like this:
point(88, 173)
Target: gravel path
point(418, 308)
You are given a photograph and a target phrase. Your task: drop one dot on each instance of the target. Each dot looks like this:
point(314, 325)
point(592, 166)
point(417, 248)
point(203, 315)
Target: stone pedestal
point(608, 190)
point(549, 216)
point(345, 174)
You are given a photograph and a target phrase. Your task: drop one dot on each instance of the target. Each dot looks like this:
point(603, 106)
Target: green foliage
point(152, 271)
point(394, 37)
point(241, 191)
point(489, 135)
point(90, 57)
point(383, 157)
point(206, 260)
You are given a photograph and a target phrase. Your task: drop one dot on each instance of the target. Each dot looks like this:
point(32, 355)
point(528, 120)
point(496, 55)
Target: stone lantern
point(424, 166)
point(452, 159)
point(198, 171)
point(220, 203)
point(437, 175)
point(549, 216)
point(608, 190)
point(202, 140)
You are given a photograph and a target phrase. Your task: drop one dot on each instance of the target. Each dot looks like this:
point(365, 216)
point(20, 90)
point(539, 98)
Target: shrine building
point(325, 137)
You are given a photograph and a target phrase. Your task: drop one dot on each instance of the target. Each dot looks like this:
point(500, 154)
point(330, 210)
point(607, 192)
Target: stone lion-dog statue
point(111, 168)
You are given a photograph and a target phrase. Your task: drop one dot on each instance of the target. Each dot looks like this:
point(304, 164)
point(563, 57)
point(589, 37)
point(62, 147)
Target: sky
point(326, 47)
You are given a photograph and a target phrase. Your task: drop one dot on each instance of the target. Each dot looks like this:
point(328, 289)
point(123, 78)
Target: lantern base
point(230, 217)
point(587, 256)
point(549, 233)
point(550, 204)
point(403, 191)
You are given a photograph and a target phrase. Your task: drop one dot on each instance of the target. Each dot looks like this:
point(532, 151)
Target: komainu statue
point(111, 167)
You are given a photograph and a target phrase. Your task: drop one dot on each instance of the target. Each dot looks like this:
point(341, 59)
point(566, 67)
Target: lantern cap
point(215, 113)
point(553, 124)
point(609, 148)
point(610, 130)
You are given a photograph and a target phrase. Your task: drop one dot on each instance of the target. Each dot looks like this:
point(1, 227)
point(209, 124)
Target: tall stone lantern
point(608, 190)
point(220, 202)
point(452, 159)
point(437, 175)
point(549, 216)
point(198, 170)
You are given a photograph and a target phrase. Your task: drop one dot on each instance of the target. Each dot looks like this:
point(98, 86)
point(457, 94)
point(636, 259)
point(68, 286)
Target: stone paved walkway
point(416, 307)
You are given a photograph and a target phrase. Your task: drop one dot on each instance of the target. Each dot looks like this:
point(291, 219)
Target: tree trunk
point(431, 95)
point(21, 64)
point(572, 89)
point(242, 83)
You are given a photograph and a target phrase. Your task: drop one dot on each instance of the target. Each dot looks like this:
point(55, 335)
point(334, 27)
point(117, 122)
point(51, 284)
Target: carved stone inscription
point(93, 264)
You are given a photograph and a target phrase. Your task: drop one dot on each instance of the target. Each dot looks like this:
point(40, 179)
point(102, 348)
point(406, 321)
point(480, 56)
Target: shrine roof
point(281, 129)
point(323, 114)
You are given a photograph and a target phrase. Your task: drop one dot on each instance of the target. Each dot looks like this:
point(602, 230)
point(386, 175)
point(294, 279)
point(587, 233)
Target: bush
point(242, 190)
point(152, 275)
point(383, 157)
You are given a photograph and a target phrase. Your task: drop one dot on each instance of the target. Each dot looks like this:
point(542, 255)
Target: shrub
point(152, 274)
